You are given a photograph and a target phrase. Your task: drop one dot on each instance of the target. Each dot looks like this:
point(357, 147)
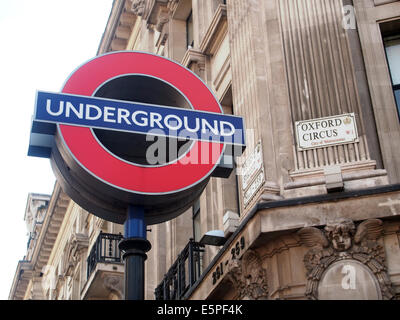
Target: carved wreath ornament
point(248, 277)
point(343, 241)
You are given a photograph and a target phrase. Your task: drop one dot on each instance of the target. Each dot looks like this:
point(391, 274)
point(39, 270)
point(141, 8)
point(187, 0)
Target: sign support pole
point(134, 246)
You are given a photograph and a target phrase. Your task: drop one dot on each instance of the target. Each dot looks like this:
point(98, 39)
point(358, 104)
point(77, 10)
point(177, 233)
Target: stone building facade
point(299, 223)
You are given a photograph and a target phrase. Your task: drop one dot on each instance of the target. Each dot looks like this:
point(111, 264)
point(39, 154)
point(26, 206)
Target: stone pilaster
point(259, 86)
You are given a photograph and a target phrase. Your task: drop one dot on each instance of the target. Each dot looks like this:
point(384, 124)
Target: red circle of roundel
point(195, 166)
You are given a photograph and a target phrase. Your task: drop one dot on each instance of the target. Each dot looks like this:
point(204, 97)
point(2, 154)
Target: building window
point(189, 31)
point(392, 47)
point(196, 221)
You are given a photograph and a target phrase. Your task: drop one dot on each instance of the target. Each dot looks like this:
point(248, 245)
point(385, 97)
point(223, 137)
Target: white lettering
point(349, 280)
point(206, 125)
point(123, 114)
point(108, 113)
point(91, 117)
point(144, 120)
point(194, 126)
point(70, 106)
point(186, 125)
point(60, 109)
point(222, 130)
point(173, 125)
point(156, 118)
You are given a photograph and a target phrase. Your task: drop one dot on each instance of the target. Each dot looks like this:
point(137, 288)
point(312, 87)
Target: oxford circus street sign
point(134, 138)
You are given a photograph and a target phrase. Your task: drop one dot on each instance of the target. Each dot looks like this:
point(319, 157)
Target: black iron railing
point(182, 274)
point(105, 250)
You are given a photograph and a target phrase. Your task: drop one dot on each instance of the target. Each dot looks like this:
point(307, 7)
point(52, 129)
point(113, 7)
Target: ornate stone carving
point(195, 61)
point(162, 18)
point(340, 234)
point(341, 240)
point(138, 7)
point(114, 283)
point(172, 2)
point(248, 277)
point(156, 11)
point(75, 246)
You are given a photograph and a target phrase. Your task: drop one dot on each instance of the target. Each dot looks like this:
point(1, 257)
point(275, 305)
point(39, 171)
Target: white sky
point(41, 43)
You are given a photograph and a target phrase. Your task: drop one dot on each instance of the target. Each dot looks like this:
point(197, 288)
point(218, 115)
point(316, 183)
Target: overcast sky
point(41, 43)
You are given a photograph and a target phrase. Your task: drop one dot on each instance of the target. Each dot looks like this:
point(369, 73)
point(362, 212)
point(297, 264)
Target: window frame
point(395, 87)
point(396, 91)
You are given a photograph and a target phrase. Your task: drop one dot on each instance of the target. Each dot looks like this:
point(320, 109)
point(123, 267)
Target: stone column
point(380, 85)
point(259, 85)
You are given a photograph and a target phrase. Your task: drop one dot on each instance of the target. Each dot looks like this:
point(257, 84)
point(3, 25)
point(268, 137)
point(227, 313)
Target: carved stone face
point(341, 241)
point(340, 234)
point(138, 7)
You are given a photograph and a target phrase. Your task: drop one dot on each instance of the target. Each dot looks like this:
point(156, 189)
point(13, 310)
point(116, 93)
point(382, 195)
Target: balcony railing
point(182, 274)
point(105, 250)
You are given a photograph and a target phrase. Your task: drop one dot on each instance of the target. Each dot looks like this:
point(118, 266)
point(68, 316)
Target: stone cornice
point(191, 56)
point(215, 32)
point(158, 8)
point(119, 27)
point(21, 280)
point(59, 202)
point(111, 26)
point(57, 207)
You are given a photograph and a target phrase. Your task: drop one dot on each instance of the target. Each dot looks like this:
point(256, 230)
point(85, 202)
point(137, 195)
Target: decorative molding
point(226, 67)
point(138, 7)
point(113, 283)
point(120, 24)
point(195, 61)
point(341, 240)
point(269, 191)
point(216, 32)
point(57, 208)
point(162, 39)
point(76, 245)
point(156, 14)
point(163, 16)
point(172, 4)
point(313, 178)
point(194, 56)
point(351, 171)
point(248, 277)
point(98, 222)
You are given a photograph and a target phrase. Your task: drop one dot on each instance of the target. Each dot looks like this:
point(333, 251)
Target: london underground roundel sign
point(133, 128)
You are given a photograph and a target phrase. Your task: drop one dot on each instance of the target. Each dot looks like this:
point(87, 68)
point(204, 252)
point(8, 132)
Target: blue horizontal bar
point(136, 117)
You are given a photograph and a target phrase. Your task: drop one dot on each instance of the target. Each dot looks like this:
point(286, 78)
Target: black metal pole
point(134, 247)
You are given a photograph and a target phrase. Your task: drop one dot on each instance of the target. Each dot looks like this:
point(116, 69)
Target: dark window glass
point(392, 47)
point(397, 95)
